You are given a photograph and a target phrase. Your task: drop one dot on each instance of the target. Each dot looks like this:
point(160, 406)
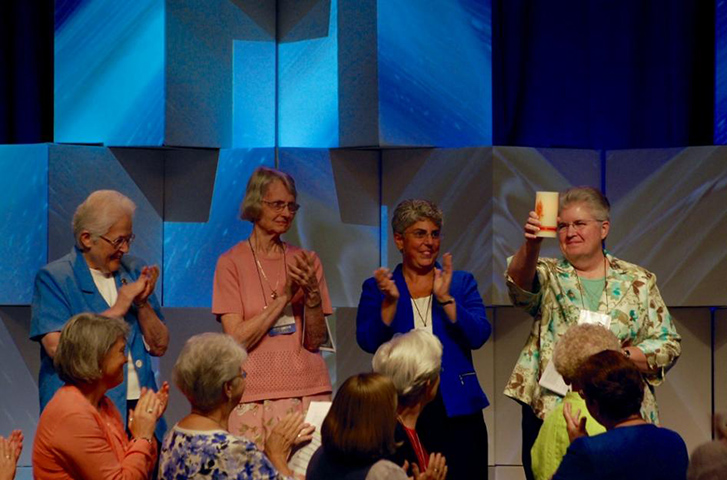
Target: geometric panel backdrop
point(668, 215)
point(24, 210)
point(191, 249)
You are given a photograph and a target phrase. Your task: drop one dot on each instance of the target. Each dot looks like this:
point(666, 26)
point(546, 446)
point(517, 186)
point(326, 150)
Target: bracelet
point(141, 305)
point(148, 439)
point(316, 304)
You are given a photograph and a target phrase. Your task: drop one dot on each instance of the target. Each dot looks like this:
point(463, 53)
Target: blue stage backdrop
point(109, 72)
point(308, 74)
point(24, 210)
point(191, 249)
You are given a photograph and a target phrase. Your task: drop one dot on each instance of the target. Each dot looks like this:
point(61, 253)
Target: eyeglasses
point(242, 375)
point(418, 234)
point(279, 205)
point(118, 242)
point(578, 225)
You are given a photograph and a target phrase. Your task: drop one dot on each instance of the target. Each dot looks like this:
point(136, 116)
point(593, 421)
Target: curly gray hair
point(577, 344)
point(411, 211)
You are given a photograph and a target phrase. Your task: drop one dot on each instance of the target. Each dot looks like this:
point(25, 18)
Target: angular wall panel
point(164, 72)
point(668, 215)
point(19, 404)
point(191, 249)
point(109, 72)
point(415, 74)
point(338, 191)
point(685, 398)
point(308, 74)
point(24, 210)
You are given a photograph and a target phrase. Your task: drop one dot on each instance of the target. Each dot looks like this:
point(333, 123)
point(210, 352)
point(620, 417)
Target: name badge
point(285, 324)
point(594, 318)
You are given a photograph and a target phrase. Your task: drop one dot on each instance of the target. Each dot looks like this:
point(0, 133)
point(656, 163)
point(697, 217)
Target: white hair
point(412, 361)
point(97, 214)
point(207, 361)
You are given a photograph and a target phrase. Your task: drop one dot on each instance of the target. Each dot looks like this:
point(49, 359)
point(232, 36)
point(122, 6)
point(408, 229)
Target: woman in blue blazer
point(422, 294)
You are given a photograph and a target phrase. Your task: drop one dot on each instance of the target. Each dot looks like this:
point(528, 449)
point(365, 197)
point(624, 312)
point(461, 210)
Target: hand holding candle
point(546, 207)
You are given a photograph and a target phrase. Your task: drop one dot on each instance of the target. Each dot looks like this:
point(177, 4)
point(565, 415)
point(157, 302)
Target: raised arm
point(307, 273)
point(523, 265)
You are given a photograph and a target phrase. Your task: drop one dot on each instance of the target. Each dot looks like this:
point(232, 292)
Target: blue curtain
point(605, 74)
point(26, 71)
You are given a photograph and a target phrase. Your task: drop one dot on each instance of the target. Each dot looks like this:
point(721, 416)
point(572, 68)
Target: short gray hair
point(99, 212)
point(708, 462)
point(207, 361)
point(85, 341)
point(578, 343)
point(258, 184)
point(596, 201)
point(411, 361)
point(411, 211)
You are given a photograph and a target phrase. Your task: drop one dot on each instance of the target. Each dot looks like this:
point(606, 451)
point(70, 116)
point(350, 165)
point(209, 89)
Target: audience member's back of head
point(613, 382)
point(360, 424)
point(412, 361)
point(577, 344)
point(709, 460)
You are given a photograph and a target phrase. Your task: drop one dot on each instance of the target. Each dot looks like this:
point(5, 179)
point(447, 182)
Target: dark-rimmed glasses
point(118, 242)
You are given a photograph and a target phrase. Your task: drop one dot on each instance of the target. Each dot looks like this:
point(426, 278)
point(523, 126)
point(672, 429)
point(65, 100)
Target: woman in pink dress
point(272, 298)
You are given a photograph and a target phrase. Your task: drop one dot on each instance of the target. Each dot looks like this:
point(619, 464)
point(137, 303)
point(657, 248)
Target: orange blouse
point(75, 440)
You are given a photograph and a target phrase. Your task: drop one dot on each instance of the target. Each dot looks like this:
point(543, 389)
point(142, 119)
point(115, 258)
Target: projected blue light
point(191, 249)
point(308, 90)
point(253, 111)
point(109, 72)
point(435, 72)
point(24, 210)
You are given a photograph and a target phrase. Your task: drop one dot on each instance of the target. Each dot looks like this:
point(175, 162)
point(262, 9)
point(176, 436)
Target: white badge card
point(285, 324)
point(553, 381)
point(594, 318)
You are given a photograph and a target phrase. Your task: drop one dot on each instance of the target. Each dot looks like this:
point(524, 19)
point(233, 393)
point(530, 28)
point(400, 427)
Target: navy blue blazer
point(459, 385)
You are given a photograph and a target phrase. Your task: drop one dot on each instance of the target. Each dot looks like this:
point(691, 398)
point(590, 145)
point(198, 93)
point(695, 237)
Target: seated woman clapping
point(412, 361)
point(631, 448)
point(209, 372)
point(80, 434)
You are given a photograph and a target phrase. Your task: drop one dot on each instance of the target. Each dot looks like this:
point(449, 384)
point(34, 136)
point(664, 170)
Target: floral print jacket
point(217, 454)
point(638, 318)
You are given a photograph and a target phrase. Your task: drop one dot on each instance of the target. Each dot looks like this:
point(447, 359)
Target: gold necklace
point(426, 312)
point(261, 273)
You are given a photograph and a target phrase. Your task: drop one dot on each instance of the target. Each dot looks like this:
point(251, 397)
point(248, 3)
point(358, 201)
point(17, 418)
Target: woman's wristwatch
point(446, 302)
